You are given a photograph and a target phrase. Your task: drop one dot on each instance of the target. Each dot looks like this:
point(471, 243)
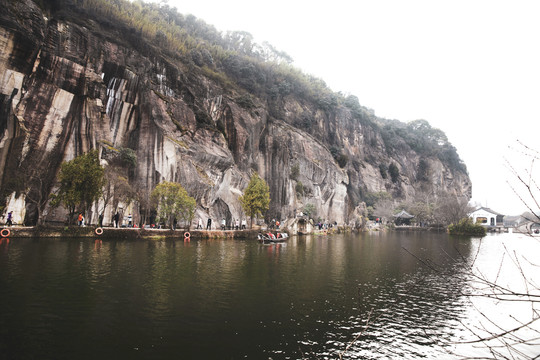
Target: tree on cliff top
point(256, 198)
point(81, 183)
point(172, 201)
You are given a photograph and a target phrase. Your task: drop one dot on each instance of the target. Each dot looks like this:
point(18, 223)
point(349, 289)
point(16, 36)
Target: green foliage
point(156, 28)
point(119, 157)
point(466, 227)
point(382, 170)
point(359, 112)
point(128, 157)
point(371, 198)
point(370, 212)
point(234, 61)
point(256, 198)
point(202, 117)
point(299, 188)
point(295, 172)
point(394, 172)
point(172, 201)
point(81, 183)
point(340, 158)
point(309, 210)
point(245, 101)
point(423, 171)
point(419, 136)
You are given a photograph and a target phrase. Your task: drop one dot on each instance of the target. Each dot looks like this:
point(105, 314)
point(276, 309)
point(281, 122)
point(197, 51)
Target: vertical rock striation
point(66, 88)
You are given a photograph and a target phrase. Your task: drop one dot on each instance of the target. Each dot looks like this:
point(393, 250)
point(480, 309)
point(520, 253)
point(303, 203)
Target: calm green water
point(226, 299)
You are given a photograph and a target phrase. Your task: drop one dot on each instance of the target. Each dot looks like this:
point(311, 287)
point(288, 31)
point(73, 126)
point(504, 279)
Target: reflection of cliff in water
point(232, 298)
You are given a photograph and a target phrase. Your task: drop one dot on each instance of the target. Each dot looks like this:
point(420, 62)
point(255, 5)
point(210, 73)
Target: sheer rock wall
point(66, 89)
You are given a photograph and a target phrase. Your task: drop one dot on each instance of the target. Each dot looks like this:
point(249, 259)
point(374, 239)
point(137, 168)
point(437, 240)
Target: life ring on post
point(99, 231)
point(187, 236)
point(5, 233)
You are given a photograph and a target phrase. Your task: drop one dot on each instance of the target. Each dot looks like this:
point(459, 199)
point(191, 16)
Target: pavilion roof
point(403, 215)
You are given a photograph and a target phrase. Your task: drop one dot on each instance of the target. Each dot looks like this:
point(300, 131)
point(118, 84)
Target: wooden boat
point(270, 238)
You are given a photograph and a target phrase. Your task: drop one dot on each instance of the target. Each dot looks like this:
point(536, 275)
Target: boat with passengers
point(272, 238)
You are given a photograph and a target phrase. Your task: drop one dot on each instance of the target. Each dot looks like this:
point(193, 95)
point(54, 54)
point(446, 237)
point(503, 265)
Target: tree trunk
point(171, 221)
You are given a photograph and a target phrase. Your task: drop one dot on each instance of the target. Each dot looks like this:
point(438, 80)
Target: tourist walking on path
point(209, 224)
point(116, 218)
point(9, 220)
point(130, 220)
point(80, 219)
point(199, 224)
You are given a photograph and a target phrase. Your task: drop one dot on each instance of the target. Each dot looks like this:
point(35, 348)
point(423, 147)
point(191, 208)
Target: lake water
point(357, 296)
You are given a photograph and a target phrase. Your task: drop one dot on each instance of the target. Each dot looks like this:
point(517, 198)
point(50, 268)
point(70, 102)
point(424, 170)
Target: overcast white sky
point(469, 67)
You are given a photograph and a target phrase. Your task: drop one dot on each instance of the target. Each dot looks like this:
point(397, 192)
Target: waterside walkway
point(110, 233)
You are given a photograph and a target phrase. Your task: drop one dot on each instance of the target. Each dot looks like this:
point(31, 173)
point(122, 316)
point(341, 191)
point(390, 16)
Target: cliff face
point(65, 89)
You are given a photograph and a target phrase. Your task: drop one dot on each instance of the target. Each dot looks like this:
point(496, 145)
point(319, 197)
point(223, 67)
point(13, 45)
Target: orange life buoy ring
point(99, 231)
point(187, 236)
point(5, 233)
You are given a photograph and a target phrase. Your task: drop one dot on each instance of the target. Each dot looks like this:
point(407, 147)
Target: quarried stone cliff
point(68, 86)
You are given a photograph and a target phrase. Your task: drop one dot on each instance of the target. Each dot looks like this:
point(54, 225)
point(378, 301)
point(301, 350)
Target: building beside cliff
point(486, 217)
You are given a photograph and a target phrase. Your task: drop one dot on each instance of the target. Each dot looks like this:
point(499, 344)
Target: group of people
point(325, 226)
point(275, 224)
point(235, 224)
point(115, 219)
point(208, 224)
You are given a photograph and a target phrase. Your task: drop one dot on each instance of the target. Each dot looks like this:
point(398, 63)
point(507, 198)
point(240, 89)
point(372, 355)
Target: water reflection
point(312, 297)
point(4, 245)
